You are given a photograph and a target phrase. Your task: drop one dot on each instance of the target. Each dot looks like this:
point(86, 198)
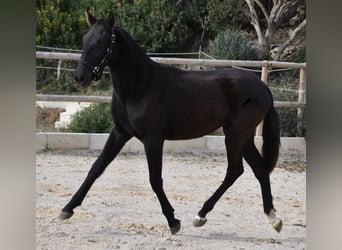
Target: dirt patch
point(294, 167)
point(122, 212)
point(46, 118)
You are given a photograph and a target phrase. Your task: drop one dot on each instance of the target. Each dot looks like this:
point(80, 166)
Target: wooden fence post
point(301, 98)
point(59, 69)
point(264, 74)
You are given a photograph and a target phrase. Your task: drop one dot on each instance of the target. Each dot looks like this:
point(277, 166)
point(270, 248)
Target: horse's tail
point(271, 138)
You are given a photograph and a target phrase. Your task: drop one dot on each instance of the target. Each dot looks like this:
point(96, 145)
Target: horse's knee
point(234, 174)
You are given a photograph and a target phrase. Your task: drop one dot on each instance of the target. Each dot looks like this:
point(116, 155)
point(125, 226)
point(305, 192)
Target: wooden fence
point(265, 66)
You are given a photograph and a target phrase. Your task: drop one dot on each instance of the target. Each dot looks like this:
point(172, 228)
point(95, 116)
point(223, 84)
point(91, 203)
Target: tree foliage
point(158, 25)
point(165, 25)
point(228, 14)
point(57, 24)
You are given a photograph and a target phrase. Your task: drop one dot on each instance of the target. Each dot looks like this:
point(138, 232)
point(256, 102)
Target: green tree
point(157, 25)
point(228, 14)
point(57, 24)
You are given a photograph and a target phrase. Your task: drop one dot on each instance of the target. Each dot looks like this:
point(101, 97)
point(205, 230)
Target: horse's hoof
point(199, 221)
point(65, 215)
point(175, 229)
point(277, 224)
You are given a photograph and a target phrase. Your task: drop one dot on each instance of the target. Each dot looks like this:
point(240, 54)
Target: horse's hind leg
point(254, 159)
point(235, 142)
point(115, 142)
point(154, 150)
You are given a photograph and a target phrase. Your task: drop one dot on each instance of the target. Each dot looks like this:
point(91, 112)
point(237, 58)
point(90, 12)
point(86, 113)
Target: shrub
point(288, 122)
point(300, 55)
point(233, 44)
point(93, 119)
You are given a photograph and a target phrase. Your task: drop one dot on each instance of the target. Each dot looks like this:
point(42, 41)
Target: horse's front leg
point(154, 151)
point(114, 144)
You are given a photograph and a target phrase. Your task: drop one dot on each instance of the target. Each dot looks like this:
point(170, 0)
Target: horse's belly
point(187, 125)
point(183, 134)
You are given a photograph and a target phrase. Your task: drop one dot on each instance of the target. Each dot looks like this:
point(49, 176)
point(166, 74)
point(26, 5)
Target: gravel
point(122, 212)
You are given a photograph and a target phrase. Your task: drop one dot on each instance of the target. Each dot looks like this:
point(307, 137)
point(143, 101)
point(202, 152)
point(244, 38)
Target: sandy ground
point(122, 212)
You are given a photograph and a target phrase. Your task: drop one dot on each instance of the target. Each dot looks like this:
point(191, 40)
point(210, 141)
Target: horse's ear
point(90, 19)
point(111, 20)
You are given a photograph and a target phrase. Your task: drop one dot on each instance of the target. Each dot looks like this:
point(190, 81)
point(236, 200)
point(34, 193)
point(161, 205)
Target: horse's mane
point(129, 46)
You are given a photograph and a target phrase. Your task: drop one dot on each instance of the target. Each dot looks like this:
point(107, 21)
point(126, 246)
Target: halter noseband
point(98, 70)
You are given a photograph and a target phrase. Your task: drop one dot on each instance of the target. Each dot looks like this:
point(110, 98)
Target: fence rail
point(265, 66)
point(107, 99)
point(185, 61)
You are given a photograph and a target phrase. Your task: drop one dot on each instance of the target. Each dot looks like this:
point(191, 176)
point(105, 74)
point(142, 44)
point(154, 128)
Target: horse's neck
point(129, 72)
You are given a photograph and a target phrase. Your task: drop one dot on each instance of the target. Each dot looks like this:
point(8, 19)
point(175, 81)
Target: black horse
point(154, 102)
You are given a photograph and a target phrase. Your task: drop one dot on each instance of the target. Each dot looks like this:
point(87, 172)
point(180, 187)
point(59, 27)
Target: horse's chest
point(120, 116)
point(130, 117)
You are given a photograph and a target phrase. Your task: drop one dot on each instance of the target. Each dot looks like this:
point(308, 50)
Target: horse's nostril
point(79, 79)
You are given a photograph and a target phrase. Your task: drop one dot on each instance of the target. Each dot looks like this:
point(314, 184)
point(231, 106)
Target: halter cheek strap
point(98, 70)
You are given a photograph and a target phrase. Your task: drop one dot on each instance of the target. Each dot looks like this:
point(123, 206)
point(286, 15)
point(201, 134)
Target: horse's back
point(226, 87)
point(196, 103)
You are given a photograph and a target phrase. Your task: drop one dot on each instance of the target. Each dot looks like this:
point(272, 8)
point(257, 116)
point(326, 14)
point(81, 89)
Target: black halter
point(97, 70)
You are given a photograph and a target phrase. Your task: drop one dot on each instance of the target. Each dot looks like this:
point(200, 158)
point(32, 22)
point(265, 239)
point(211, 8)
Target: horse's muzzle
point(82, 75)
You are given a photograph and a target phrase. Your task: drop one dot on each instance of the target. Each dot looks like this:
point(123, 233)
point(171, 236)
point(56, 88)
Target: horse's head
point(98, 45)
